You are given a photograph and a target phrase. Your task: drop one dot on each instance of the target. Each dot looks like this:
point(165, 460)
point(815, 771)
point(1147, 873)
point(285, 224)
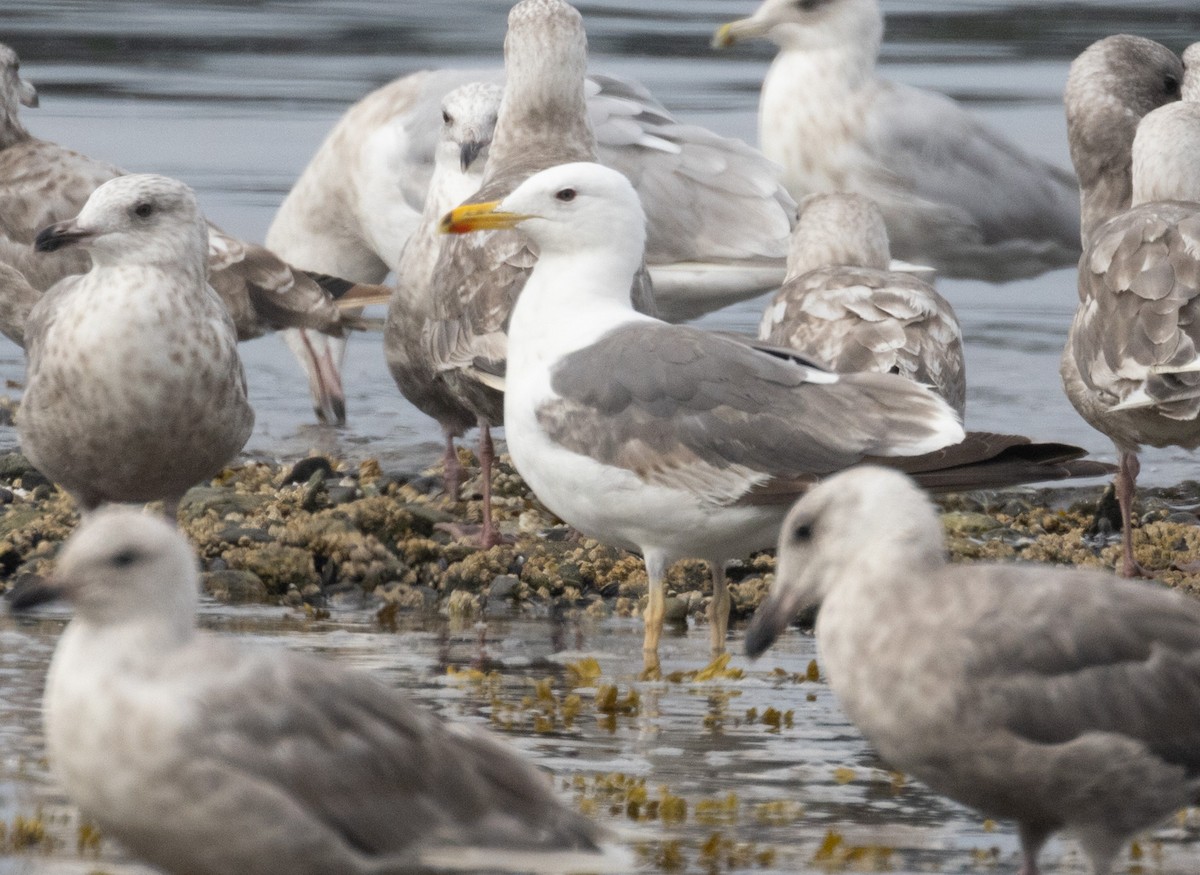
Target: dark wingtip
point(29, 592)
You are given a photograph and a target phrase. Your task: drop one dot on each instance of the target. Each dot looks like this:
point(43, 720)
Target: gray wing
point(1138, 324)
point(940, 174)
point(858, 319)
point(17, 299)
point(660, 400)
point(1079, 652)
point(707, 197)
point(369, 766)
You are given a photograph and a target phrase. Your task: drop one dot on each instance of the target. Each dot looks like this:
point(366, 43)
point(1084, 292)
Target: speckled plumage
point(1059, 698)
point(843, 307)
point(269, 762)
point(1129, 365)
point(134, 389)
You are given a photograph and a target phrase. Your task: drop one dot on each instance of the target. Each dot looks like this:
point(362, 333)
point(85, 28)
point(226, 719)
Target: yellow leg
point(656, 607)
point(718, 609)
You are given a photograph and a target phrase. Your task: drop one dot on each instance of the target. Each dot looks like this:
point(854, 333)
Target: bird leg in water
point(718, 609)
point(1128, 468)
point(656, 609)
point(452, 472)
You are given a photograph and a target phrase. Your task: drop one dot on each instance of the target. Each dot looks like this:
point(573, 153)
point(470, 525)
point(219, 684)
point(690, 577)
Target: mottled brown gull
point(844, 308)
point(1129, 363)
point(134, 390)
point(1062, 699)
point(42, 182)
point(956, 194)
point(207, 757)
point(468, 122)
point(680, 443)
point(1191, 74)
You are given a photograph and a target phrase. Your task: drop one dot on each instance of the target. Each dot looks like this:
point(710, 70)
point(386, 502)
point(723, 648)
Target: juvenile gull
point(719, 220)
point(1191, 74)
point(42, 182)
point(206, 757)
point(134, 390)
point(468, 122)
point(1058, 698)
point(956, 194)
point(844, 308)
point(1130, 363)
point(680, 443)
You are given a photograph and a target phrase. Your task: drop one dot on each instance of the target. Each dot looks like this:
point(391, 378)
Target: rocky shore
point(330, 535)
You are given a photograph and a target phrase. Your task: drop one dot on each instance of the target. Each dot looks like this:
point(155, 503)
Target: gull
point(42, 183)
point(134, 390)
point(676, 442)
point(1058, 698)
point(207, 757)
point(1129, 366)
point(1191, 75)
point(956, 194)
point(844, 308)
point(468, 121)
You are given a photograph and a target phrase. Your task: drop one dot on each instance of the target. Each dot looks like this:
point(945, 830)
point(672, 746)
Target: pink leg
point(452, 470)
point(1032, 839)
point(1126, 483)
point(488, 537)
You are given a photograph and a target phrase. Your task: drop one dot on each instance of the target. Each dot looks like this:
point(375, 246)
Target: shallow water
point(234, 98)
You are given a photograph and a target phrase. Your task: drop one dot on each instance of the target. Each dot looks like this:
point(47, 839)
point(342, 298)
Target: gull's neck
point(11, 129)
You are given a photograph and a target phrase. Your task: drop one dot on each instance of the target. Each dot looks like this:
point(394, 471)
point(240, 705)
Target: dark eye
point(125, 558)
point(446, 118)
point(143, 210)
point(567, 194)
point(802, 533)
point(1171, 85)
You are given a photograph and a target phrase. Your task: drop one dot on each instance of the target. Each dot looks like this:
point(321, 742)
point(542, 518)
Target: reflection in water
point(235, 97)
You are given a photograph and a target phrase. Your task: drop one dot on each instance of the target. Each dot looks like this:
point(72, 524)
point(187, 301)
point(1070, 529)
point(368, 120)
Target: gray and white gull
point(134, 391)
point(203, 756)
point(42, 182)
point(1062, 699)
point(468, 122)
point(677, 442)
point(956, 194)
point(1130, 365)
point(844, 308)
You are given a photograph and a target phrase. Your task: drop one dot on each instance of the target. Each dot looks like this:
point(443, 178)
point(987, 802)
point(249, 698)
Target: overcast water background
point(234, 97)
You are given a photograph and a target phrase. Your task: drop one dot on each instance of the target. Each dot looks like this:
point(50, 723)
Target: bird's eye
point(566, 194)
point(125, 558)
point(446, 117)
point(1171, 85)
point(143, 210)
point(802, 533)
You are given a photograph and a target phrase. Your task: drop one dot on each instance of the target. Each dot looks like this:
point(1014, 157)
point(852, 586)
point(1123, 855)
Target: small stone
point(503, 586)
point(199, 500)
point(675, 610)
point(14, 466)
point(42, 491)
point(961, 522)
point(6, 496)
point(234, 586)
point(303, 470)
point(342, 495)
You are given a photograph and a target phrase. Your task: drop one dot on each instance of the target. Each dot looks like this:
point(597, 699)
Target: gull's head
point(1166, 154)
point(867, 519)
point(838, 229)
point(809, 24)
point(121, 565)
point(468, 122)
point(567, 209)
point(16, 89)
point(1111, 85)
point(139, 218)
point(1191, 73)
point(545, 47)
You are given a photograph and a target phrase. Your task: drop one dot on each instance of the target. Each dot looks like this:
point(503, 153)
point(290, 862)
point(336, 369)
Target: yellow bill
point(478, 217)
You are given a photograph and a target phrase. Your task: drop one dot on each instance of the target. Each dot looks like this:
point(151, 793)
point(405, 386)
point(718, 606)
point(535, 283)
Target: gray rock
point(503, 586)
point(234, 587)
point(199, 500)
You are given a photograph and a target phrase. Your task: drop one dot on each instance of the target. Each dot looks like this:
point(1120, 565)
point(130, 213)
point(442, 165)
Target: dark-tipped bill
point(60, 235)
point(478, 217)
point(773, 616)
point(28, 593)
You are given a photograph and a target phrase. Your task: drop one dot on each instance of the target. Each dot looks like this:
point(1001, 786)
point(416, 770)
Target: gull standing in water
point(206, 757)
point(1058, 698)
point(1130, 364)
point(956, 195)
point(468, 122)
point(134, 390)
point(842, 306)
point(681, 443)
